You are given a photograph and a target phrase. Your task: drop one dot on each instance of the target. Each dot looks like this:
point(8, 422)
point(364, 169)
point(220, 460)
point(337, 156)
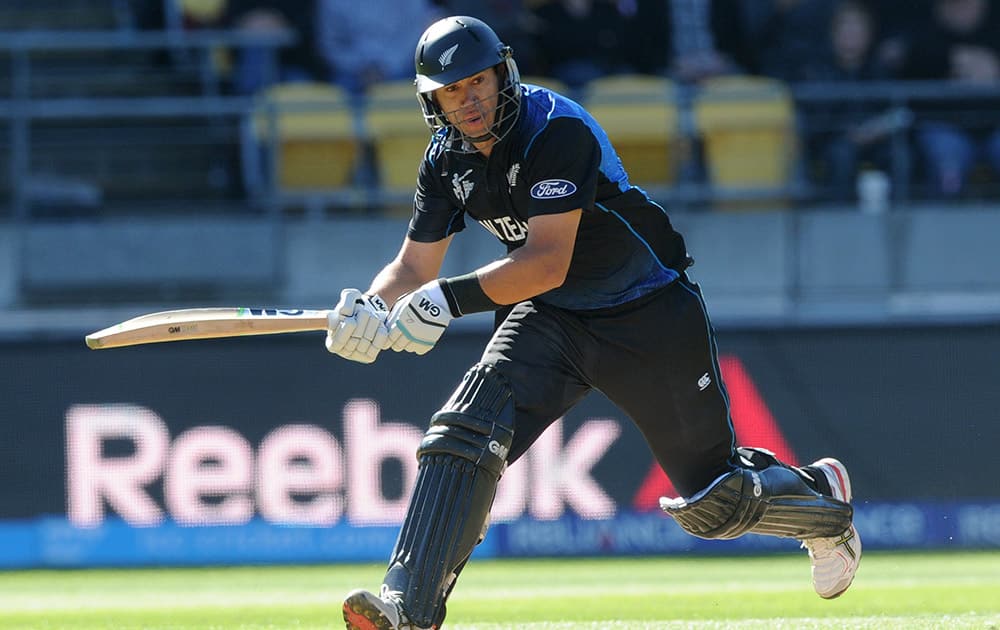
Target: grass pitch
point(892, 590)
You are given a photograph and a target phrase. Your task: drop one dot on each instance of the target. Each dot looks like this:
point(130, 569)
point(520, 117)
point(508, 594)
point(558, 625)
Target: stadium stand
point(640, 115)
point(106, 123)
point(111, 116)
point(748, 128)
point(314, 146)
point(399, 136)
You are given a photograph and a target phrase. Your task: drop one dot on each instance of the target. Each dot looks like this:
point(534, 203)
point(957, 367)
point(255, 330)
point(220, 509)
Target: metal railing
point(22, 108)
point(895, 100)
point(900, 104)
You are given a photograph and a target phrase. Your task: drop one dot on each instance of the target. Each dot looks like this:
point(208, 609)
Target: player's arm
point(357, 325)
point(359, 322)
point(537, 266)
point(420, 317)
point(565, 151)
point(416, 263)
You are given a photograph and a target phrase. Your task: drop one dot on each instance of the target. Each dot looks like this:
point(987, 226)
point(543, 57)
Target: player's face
point(471, 103)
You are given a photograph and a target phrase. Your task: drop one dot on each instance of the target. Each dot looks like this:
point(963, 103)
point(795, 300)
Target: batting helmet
point(457, 47)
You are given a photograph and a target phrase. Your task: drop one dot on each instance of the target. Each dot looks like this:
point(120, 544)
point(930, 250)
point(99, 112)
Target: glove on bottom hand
point(418, 319)
point(357, 327)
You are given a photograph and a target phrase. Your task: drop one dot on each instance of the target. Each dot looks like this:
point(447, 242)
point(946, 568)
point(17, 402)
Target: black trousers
point(655, 358)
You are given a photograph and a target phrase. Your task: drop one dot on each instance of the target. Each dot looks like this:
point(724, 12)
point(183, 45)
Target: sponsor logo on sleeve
point(553, 189)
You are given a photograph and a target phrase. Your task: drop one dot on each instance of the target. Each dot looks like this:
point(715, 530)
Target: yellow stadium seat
point(204, 12)
point(317, 147)
point(399, 136)
point(639, 114)
point(747, 125)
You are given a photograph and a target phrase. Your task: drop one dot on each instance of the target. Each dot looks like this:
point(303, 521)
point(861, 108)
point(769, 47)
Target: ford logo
point(553, 189)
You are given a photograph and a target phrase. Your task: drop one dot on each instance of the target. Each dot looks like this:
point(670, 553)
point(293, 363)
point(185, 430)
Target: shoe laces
point(819, 547)
point(394, 599)
point(827, 546)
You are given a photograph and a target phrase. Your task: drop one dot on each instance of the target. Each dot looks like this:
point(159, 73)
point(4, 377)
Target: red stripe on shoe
point(357, 621)
point(841, 481)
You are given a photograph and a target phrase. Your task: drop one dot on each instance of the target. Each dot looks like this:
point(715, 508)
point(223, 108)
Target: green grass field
point(892, 590)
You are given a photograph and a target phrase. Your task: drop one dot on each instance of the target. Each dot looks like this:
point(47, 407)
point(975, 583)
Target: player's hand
point(418, 319)
point(357, 327)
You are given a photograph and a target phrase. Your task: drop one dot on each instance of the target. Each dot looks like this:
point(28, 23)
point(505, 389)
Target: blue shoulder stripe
point(545, 105)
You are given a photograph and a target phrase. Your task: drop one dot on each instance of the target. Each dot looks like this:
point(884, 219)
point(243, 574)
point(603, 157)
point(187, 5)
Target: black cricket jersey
point(555, 158)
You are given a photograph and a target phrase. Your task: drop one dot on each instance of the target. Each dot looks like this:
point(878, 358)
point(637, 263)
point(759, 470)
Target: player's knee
point(477, 422)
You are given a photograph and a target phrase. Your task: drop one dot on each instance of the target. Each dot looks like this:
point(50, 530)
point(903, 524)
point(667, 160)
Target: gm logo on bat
point(268, 312)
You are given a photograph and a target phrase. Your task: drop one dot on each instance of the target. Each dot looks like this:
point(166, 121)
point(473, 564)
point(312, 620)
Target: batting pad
point(772, 501)
point(462, 457)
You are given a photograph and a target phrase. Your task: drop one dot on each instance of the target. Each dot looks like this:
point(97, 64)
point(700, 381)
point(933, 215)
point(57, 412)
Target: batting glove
point(357, 327)
point(418, 319)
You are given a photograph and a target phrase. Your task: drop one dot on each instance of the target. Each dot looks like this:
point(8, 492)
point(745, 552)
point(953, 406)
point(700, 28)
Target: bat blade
point(206, 323)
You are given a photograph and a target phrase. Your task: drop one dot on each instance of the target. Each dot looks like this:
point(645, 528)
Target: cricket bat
point(206, 323)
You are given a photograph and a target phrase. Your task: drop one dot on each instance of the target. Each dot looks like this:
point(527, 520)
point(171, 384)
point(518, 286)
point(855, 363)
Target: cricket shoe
point(834, 559)
point(367, 611)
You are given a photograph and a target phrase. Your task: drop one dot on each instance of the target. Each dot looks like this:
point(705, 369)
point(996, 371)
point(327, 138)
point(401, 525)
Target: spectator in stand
point(364, 43)
point(689, 40)
point(897, 20)
point(961, 44)
point(790, 35)
point(845, 133)
point(256, 68)
point(709, 39)
point(579, 40)
point(148, 14)
point(847, 51)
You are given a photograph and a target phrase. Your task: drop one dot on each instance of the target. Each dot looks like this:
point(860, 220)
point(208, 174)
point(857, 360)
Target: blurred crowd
point(356, 44)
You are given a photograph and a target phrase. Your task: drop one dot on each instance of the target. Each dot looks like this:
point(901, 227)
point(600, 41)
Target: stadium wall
point(831, 265)
point(266, 450)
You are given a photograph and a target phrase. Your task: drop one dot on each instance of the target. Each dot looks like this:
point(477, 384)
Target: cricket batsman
point(592, 294)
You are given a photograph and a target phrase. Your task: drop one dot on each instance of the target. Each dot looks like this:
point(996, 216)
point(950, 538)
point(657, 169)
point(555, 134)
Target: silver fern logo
point(512, 174)
point(445, 58)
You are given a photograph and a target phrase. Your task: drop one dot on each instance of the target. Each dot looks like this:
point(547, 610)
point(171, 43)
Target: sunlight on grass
point(923, 591)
